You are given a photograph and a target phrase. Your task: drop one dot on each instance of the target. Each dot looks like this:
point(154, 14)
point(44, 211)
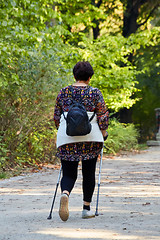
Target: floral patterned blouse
point(93, 100)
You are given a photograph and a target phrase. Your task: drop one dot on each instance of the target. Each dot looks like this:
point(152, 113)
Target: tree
point(87, 17)
point(137, 13)
point(125, 16)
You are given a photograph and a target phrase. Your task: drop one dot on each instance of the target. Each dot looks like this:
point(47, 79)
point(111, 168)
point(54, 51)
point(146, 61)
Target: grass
point(3, 175)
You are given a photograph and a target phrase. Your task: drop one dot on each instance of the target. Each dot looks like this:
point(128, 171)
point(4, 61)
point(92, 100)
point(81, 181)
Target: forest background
point(41, 41)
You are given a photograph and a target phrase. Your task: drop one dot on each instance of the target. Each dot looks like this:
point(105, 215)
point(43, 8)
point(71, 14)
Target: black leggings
point(69, 177)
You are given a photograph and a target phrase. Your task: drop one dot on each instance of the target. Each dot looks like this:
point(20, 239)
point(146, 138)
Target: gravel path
point(129, 204)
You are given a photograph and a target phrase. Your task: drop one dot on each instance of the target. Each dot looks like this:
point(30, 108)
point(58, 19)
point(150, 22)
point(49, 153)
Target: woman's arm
point(57, 111)
point(102, 113)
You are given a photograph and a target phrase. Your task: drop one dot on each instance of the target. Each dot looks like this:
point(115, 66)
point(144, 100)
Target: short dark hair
point(82, 71)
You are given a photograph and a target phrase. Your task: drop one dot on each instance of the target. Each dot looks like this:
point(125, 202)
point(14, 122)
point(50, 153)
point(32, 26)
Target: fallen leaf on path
point(145, 204)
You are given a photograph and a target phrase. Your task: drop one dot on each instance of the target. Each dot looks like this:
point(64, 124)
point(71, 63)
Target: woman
point(86, 148)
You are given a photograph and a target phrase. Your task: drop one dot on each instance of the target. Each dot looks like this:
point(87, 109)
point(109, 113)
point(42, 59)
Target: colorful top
point(93, 101)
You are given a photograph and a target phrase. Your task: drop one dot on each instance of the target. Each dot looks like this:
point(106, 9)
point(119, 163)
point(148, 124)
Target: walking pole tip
point(49, 217)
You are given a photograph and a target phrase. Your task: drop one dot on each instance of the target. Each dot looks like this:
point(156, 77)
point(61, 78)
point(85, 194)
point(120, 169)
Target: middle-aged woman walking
point(72, 149)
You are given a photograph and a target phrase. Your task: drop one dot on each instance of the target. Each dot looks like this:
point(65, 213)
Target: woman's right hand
point(105, 134)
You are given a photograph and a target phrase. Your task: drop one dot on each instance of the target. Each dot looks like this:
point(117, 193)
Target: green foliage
point(114, 74)
point(77, 18)
point(21, 26)
point(143, 114)
point(31, 73)
point(147, 60)
point(3, 175)
point(39, 145)
point(121, 137)
point(27, 108)
point(3, 153)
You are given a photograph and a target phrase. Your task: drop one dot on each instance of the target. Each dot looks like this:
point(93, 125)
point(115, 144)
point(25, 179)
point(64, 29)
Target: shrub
point(27, 107)
point(122, 137)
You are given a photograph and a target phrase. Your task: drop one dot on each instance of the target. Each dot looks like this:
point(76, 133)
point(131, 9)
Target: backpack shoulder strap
point(70, 88)
point(64, 115)
point(91, 118)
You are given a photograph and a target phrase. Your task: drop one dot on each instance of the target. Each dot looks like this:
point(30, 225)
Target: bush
point(121, 137)
point(27, 105)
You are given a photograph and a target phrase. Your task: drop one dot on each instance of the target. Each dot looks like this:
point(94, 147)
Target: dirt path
point(129, 203)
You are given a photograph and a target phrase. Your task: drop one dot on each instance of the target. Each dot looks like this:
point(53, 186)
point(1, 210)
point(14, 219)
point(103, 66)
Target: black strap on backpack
point(78, 123)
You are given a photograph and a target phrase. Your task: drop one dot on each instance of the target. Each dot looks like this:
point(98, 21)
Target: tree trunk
point(130, 17)
point(96, 30)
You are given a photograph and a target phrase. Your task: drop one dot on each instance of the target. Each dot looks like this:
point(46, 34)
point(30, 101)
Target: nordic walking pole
point(59, 176)
point(99, 182)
